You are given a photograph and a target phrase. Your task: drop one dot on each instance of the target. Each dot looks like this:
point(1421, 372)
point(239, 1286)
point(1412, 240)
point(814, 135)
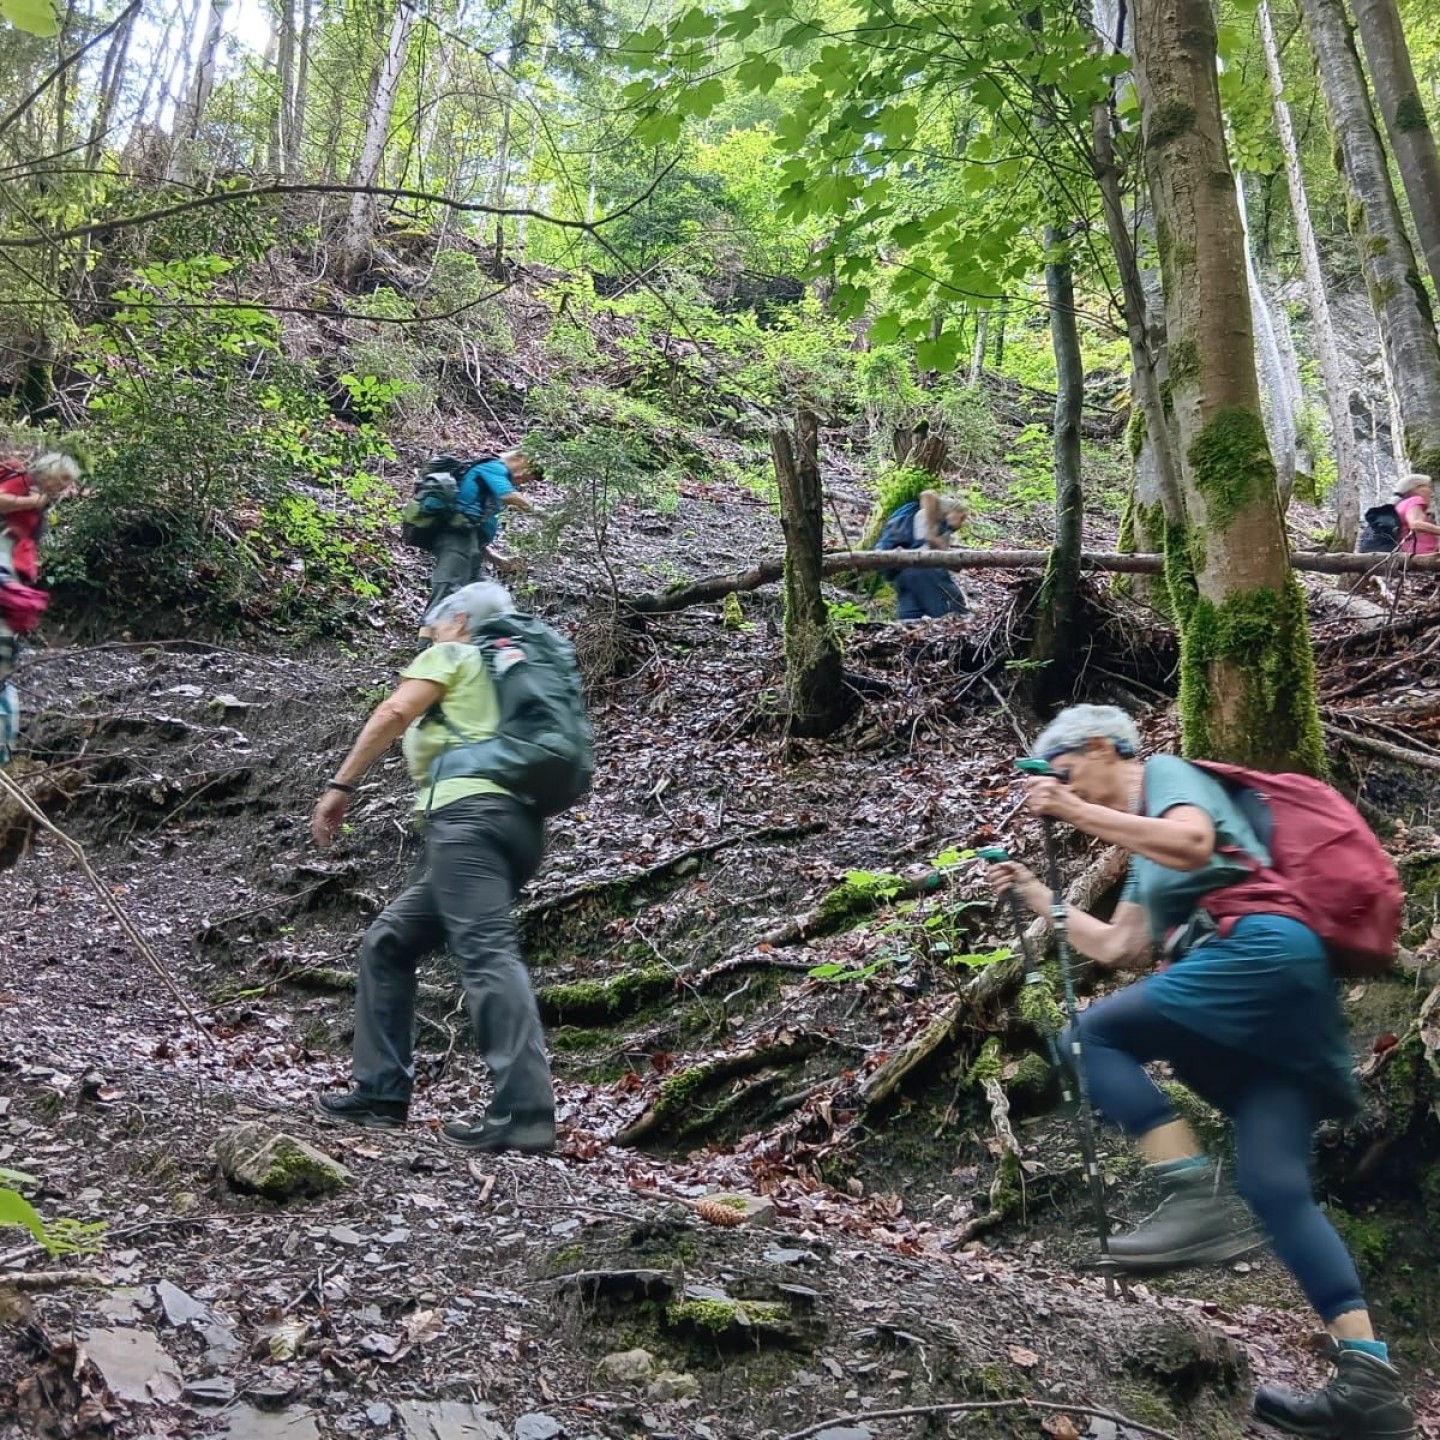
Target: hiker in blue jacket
point(461, 549)
point(1249, 1020)
point(926, 523)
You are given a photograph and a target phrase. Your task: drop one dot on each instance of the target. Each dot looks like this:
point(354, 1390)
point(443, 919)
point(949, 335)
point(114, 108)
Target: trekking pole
point(1086, 1126)
point(1034, 975)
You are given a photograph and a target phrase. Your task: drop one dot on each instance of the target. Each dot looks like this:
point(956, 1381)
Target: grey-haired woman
point(1248, 1019)
point(481, 846)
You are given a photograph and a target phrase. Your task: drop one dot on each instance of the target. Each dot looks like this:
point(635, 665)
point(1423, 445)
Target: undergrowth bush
point(214, 461)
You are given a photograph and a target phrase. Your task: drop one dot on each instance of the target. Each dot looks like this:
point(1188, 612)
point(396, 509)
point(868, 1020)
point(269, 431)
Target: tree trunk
point(283, 119)
point(819, 700)
point(296, 134)
point(1247, 678)
point(1337, 395)
point(1055, 647)
point(355, 244)
point(189, 116)
point(1406, 123)
point(1407, 327)
point(112, 76)
point(977, 356)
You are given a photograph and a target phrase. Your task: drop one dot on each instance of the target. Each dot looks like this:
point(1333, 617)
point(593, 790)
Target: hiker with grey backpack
point(1258, 890)
point(455, 513)
point(496, 738)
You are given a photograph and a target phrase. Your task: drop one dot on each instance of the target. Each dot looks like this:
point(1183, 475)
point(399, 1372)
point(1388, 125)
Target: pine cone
point(718, 1213)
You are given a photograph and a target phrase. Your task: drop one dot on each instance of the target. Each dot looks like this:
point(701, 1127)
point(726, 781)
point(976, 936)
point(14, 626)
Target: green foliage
point(35, 17)
point(1031, 456)
point(58, 1237)
point(202, 427)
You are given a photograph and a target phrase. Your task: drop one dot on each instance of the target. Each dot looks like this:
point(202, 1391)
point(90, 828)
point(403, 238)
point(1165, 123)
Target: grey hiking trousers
point(459, 560)
point(479, 851)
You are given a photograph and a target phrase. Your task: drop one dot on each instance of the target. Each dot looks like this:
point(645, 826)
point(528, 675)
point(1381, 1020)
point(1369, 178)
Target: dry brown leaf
point(1025, 1359)
point(1060, 1427)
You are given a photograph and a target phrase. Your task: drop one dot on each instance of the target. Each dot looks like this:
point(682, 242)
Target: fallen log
point(1384, 748)
point(840, 562)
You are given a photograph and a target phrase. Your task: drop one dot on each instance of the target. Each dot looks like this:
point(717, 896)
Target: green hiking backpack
point(431, 508)
point(543, 750)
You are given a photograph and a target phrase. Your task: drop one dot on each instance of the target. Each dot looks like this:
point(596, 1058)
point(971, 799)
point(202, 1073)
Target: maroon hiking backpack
point(1327, 869)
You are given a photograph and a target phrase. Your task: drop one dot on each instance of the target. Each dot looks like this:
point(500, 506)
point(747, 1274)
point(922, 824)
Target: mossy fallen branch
point(673, 1103)
point(590, 1002)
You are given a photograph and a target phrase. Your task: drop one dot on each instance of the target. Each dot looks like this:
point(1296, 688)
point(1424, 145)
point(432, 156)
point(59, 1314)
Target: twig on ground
point(1405, 756)
point(77, 851)
point(963, 1407)
point(35, 1280)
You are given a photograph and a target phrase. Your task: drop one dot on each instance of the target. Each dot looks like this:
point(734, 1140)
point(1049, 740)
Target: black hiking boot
point(529, 1134)
point(1363, 1401)
point(1195, 1224)
point(352, 1108)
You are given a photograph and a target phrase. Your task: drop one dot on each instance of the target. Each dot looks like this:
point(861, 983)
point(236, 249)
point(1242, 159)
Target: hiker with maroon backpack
point(26, 494)
point(1258, 890)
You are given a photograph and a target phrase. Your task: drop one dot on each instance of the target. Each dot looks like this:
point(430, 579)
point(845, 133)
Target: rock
point(135, 1366)
point(846, 1432)
point(268, 1162)
point(180, 1308)
point(669, 1385)
point(217, 1390)
point(538, 1426)
point(247, 1423)
point(447, 1420)
point(378, 1413)
point(627, 1367)
point(344, 1235)
point(752, 1209)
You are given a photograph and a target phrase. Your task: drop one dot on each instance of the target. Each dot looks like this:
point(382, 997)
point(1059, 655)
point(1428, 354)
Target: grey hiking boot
point(1363, 1401)
point(529, 1134)
point(1197, 1223)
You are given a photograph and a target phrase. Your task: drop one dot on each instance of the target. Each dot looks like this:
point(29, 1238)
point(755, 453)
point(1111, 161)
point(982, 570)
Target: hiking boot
point(1363, 1401)
point(354, 1108)
point(530, 1134)
point(1195, 1224)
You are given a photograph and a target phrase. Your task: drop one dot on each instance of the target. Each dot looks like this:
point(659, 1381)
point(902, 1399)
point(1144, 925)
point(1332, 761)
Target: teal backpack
point(543, 751)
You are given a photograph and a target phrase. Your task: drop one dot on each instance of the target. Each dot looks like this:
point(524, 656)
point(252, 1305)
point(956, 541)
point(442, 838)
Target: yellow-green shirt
point(471, 706)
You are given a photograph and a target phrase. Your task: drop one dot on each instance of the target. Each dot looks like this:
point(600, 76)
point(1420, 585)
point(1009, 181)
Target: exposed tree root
point(606, 890)
point(673, 1104)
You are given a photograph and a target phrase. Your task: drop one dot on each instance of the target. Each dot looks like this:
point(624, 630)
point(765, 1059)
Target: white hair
point(1409, 484)
point(1072, 727)
point(54, 465)
point(482, 601)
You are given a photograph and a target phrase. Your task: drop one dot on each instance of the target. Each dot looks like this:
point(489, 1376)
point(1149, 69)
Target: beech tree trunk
point(283, 119)
point(190, 114)
point(1247, 679)
point(819, 700)
point(1407, 326)
point(296, 134)
point(355, 244)
point(112, 76)
point(1337, 396)
point(1406, 123)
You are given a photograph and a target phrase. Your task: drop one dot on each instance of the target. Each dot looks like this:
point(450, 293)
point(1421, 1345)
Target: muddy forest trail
point(739, 943)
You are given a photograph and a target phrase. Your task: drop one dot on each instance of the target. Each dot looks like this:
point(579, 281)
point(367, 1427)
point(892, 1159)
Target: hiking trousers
point(479, 851)
point(928, 594)
point(459, 560)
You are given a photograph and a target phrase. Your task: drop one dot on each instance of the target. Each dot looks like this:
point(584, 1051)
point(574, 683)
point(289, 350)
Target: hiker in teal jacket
point(461, 549)
point(1249, 1020)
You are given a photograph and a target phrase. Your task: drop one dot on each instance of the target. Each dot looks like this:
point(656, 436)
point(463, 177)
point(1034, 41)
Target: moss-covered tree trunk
point(1407, 327)
point(820, 701)
point(1406, 123)
point(1057, 613)
point(1247, 679)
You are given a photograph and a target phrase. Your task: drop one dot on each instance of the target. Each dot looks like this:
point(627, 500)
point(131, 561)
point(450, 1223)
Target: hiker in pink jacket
point(1419, 534)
